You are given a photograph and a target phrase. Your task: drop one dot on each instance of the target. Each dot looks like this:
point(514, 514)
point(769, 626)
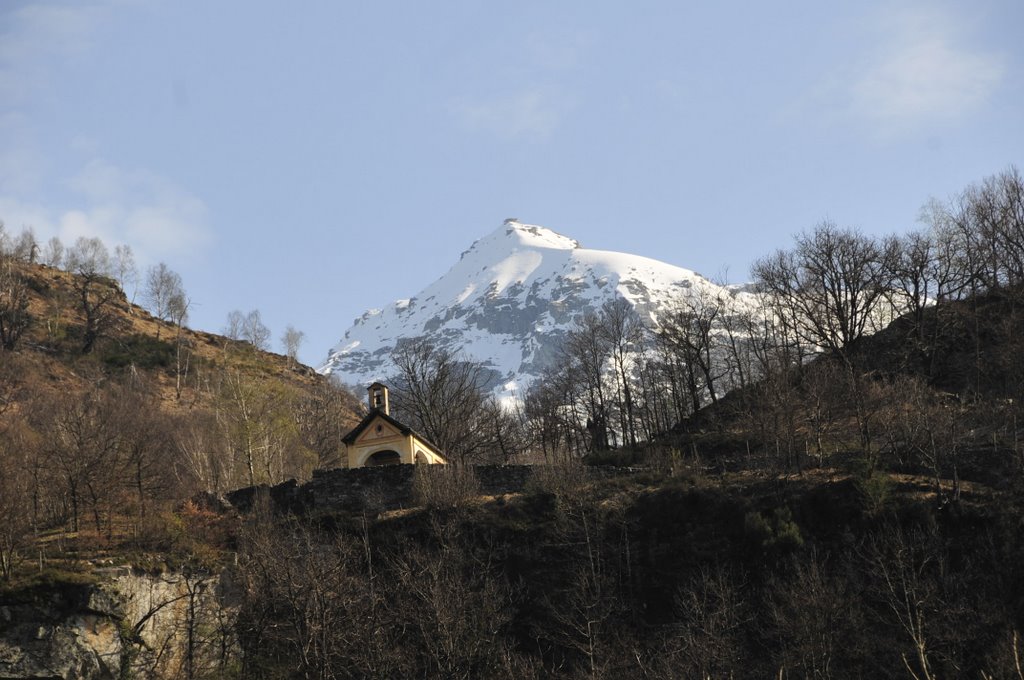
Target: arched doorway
point(387, 457)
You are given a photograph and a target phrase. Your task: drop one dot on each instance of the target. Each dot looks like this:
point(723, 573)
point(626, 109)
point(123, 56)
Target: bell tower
point(378, 398)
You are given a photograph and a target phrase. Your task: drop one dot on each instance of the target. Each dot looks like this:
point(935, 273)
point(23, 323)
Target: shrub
point(559, 479)
point(874, 486)
point(143, 351)
point(444, 486)
point(776, 533)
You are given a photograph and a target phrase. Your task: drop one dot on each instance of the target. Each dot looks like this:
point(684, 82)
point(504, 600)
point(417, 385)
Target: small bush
point(875, 487)
point(444, 486)
point(615, 458)
point(141, 350)
point(558, 479)
point(190, 536)
point(777, 533)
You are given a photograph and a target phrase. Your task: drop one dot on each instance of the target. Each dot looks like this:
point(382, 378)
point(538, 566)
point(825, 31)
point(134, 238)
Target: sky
point(318, 161)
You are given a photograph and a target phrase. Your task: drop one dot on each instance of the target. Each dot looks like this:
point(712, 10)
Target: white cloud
point(158, 219)
point(922, 71)
point(530, 113)
point(153, 215)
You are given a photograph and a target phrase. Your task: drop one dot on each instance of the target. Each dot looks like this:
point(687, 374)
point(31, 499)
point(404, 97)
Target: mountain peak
point(516, 235)
point(509, 302)
point(536, 236)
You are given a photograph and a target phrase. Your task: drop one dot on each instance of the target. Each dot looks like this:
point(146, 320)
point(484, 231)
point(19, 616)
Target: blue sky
point(317, 161)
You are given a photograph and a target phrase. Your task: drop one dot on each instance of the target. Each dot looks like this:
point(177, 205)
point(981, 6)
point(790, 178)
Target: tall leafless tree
point(165, 294)
point(443, 396)
point(291, 340)
point(96, 291)
point(125, 269)
point(53, 253)
point(690, 331)
point(833, 283)
point(14, 314)
point(624, 334)
point(15, 498)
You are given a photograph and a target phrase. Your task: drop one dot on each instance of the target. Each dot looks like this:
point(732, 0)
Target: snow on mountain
point(508, 303)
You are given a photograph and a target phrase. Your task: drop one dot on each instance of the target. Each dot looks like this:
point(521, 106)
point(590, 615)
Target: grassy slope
point(50, 355)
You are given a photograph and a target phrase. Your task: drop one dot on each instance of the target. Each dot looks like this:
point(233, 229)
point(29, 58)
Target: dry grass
point(49, 350)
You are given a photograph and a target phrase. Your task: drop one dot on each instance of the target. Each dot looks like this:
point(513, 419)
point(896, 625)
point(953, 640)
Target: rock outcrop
point(127, 625)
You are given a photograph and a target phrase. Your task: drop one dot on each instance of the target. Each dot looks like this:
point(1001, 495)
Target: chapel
point(379, 439)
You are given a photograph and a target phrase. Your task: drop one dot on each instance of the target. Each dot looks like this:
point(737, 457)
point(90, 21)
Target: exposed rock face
point(127, 626)
point(509, 302)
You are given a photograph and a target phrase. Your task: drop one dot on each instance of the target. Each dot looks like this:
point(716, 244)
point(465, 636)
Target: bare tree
point(813, 619)
point(178, 311)
point(125, 269)
point(257, 431)
point(53, 253)
point(920, 429)
point(624, 334)
point(455, 603)
point(291, 340)
point(15, 499)
point(203, 462)
point(823, 399)
point(82, 445)
point(689, 329)
point(89, 255)
point(96, 291)
point(165, 294)
point(550, 415)
point(25, 248)
point(324, 415)
point(233, 326)
point(585, 355)
point(830, 289)
point(255, 331)
point(582, 608)
point(990, 215)
point(831, 283)
point(248, 327)
point(14, 315)
point(145, 445)
point(906, 563)
point(319, 602)
point(912, 261)
point(712, 611)
point(443, 396)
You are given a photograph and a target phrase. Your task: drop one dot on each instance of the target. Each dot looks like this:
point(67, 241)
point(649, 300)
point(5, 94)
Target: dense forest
point(824, 484)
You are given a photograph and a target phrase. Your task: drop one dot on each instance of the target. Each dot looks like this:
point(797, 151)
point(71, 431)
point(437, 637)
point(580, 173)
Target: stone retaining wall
point(387, 487)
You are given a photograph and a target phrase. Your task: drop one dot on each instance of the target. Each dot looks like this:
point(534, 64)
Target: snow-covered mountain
point(508, 302)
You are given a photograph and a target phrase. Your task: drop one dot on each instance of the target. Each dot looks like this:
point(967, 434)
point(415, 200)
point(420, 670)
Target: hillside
point(50, 350)
point(719, 559)
point(853, 509)
point(973, 347)
point(99, 449)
